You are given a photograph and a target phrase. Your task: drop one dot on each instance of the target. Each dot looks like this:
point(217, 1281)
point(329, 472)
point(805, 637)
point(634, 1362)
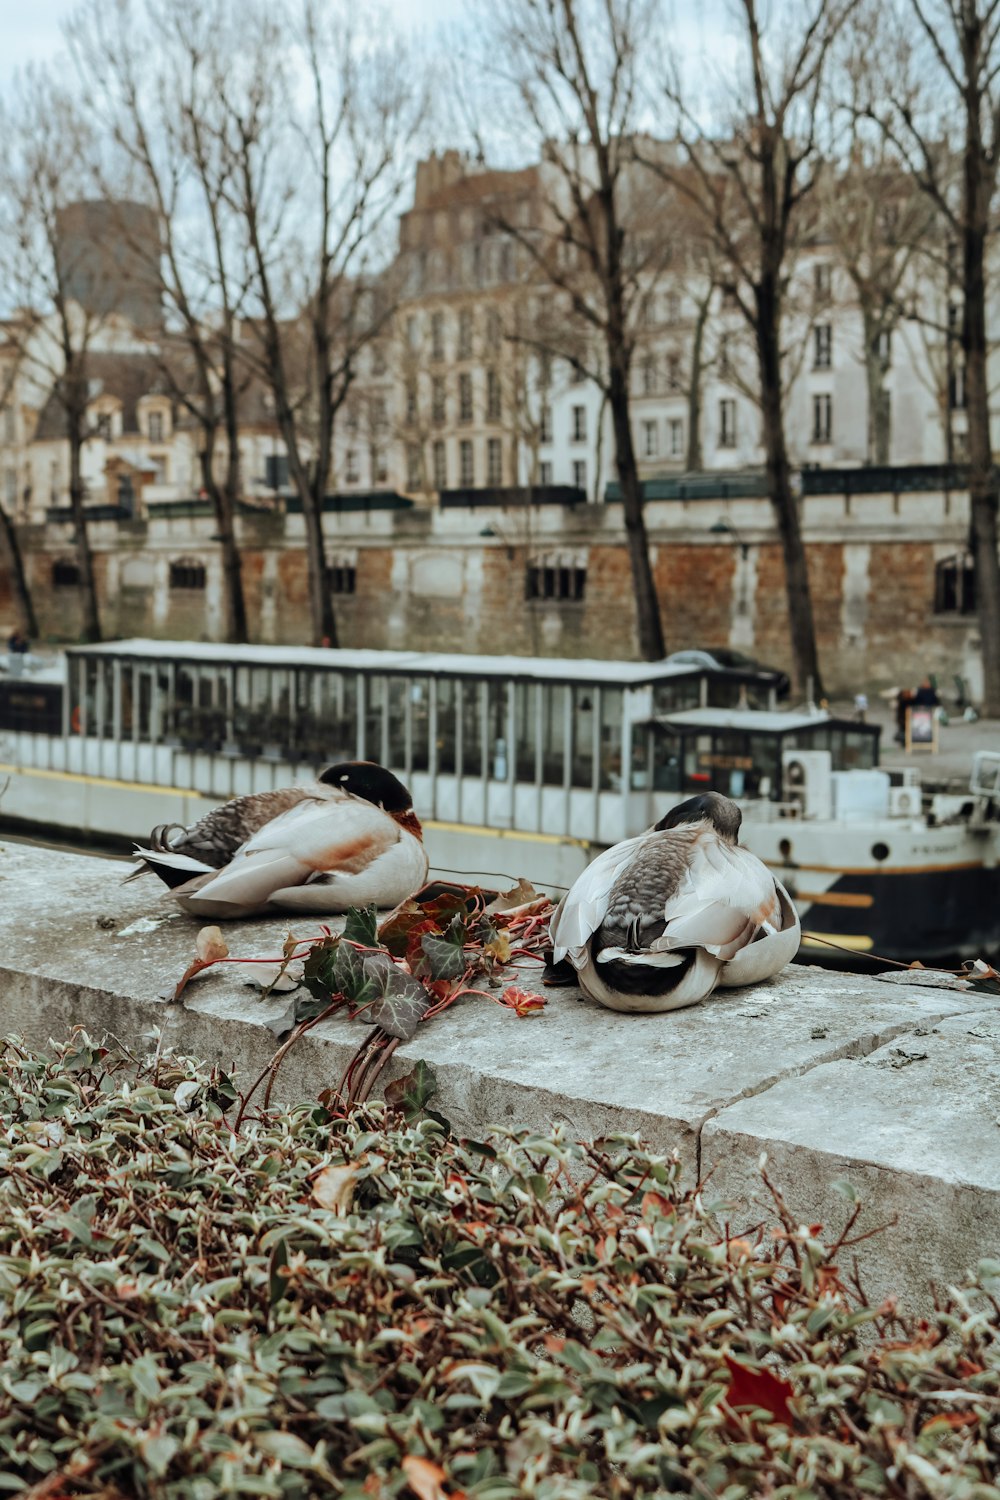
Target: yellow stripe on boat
point(836, 898)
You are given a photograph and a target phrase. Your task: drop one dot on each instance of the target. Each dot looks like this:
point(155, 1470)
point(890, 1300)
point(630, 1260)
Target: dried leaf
point(210, 945)
point(522, 894)
point(522, 1002)
point(425, 1478)
point(333, 1187)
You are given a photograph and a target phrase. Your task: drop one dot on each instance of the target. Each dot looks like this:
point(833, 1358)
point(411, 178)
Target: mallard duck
point(349, 839)
point(659, 921)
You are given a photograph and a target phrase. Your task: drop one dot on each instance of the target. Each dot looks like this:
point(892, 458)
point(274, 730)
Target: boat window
point(583, 736)
point(611, 739)
point(673, 697)
point(447, 710)
point(763, 777)
point(418, 691)
point(396, 688)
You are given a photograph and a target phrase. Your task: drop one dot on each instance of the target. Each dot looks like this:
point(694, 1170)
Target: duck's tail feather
point(173, 869)
point(647, 958)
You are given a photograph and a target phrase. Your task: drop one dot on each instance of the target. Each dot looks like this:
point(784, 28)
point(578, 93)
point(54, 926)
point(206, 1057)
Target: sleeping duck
point(350, 839)
point(659, 921)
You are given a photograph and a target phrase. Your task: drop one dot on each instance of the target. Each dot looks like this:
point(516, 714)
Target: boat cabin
point(749, 755)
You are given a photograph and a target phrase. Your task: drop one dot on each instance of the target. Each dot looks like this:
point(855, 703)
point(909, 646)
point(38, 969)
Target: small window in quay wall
point(65, 575)
point(187, 575)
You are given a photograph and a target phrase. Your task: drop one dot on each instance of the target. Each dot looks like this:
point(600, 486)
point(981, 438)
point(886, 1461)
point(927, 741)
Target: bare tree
point(152, 71)
point(10, 369)
point(572, 70)
point(43, 174)
point(943, 114)
point(752, 188)
point(343, 111)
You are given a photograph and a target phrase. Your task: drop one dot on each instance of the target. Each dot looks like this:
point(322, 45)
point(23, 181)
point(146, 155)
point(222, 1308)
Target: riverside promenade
point(888, 1083)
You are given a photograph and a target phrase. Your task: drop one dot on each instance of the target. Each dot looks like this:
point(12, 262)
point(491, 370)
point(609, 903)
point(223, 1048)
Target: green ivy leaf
point(447, 959)
point(408, 1095)
point(401, 999)
point(352, 975)
point(361, 925)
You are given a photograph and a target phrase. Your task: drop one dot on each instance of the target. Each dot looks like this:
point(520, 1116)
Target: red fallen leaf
point(521, 1001)
point(759, 1388)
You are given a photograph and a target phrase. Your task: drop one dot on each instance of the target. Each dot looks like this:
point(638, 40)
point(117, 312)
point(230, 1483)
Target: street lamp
point(724, 527)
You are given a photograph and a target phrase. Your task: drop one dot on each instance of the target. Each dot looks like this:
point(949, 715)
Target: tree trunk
point(90, 630)
point(800, 615)
point(18, 582)
point(982, 480)
point(694, 456)
point(879, 433)
point(234, 621)
point(651, 643)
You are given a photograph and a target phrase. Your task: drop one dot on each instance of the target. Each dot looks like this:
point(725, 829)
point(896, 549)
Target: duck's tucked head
point(722, 812)
point(363, 778)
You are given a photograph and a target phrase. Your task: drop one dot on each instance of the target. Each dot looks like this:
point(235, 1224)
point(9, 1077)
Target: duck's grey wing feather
point(655, 874)
point(215, 838)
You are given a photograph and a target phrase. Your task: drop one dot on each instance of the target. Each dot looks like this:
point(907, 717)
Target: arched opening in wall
point(955, 585)
point(187, 574)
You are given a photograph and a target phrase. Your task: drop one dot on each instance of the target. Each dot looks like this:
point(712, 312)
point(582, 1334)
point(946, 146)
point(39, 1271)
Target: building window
point(650, 375)
point(822, 419)
point(676, 426)
point(465, 398)
point(727, 423)
point(579, 424)
point(351, 471)
point(492, 329)
point(103, 426)
point(673, 371)
point(440, 453)
point(494, 461)
point(412, 333)
point(955, 585)
point(341, 578)
point(545, 425)
point(380, 465)
point(956, 389)
point(465, 333)
point(437, 335)
point(466, 463)
point(352, 418)
point(492, 396)
point(439, 399)
point(822, 346)
point(725, 365)
point(544, 472)
point(650, 440)
point(673, 307)
point(580, 474)
point(556, 578)
point(156, 427)
point(276, 471)
point(65, 575)
point(187, 575)
point(380, 414)
point(411, 402)
point(822, 281)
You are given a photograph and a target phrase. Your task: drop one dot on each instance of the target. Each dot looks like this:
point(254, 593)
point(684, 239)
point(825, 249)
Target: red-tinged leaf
point(656, 1206)
point(951, 1419)
point(522, 1002)
point(414, 953)
point(425, 1479)
point(759, 1389)
point(395, 930)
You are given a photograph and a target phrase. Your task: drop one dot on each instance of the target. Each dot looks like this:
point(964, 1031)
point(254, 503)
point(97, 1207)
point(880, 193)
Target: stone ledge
point(806, 1067)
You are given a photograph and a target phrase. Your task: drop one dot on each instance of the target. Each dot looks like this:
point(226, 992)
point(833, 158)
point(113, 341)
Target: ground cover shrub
point(368, 1307)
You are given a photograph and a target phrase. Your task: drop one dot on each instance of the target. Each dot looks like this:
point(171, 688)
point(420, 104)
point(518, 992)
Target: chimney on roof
point(437, 172)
